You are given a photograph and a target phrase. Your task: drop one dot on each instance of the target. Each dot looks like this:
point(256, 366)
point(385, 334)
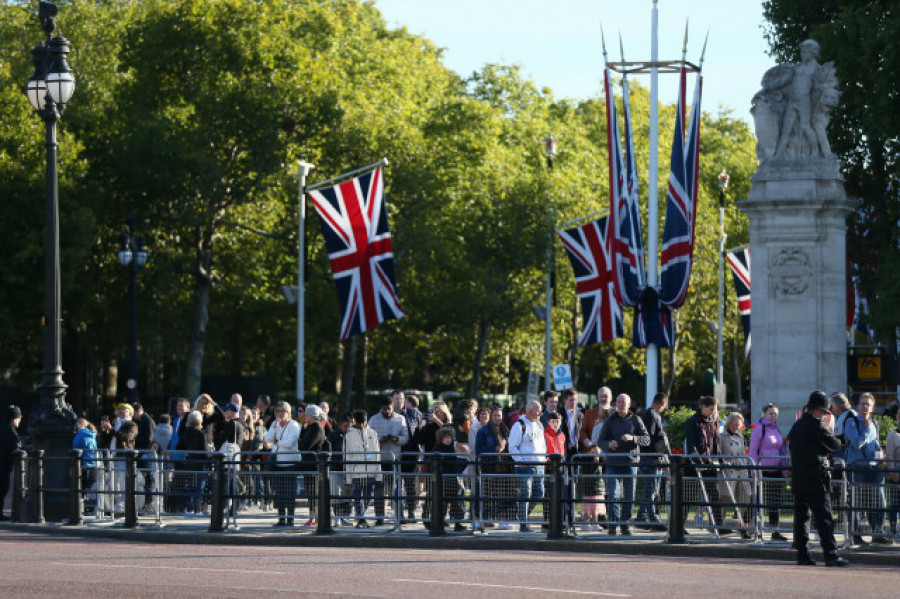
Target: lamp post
point(133, 256)
point(53, 422)
point(723, 185)
point(550, 149)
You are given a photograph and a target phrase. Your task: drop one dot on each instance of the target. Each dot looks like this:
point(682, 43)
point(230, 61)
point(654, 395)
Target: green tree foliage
point(191, 115)
point(861, 37)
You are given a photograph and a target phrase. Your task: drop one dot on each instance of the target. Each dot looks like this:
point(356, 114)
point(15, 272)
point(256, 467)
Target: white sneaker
point(504, 527)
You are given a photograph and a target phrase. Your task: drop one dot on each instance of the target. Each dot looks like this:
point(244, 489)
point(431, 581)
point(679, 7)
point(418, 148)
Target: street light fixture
point(52, 424)
point(133, 256)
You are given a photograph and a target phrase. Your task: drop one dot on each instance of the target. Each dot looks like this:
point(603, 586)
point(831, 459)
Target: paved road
point(37, 565)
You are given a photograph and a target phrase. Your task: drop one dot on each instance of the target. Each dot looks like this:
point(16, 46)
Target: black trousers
point(817, 501)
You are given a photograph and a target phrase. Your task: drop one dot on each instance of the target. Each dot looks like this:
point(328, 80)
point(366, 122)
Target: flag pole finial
point(703, 52)
point(603, 41)
point(621, 47)
point(684, 45)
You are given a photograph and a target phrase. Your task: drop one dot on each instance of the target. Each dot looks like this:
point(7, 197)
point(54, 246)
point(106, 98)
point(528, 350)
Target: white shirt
point(527, 443)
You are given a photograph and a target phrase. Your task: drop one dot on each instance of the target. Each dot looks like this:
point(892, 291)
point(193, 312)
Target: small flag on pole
point(739, 261)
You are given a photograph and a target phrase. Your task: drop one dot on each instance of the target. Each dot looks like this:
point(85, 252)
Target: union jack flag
point(358, 240)
point(624, 206)
point(590, 253)
point(739, 262)
point(681, 202)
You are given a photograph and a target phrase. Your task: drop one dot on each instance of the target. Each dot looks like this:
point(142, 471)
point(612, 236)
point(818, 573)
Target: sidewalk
point(195, 531)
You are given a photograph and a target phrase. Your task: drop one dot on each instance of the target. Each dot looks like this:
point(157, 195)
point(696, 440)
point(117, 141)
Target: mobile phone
point(104, 419)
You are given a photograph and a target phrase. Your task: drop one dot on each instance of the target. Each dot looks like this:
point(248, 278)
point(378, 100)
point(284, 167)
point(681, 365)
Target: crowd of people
point(607, 448)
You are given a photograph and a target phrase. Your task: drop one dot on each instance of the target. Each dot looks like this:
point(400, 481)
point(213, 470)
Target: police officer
point(9, 443)
point(810, 442)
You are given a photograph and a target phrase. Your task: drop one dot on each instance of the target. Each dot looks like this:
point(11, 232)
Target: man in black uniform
point(9, 443)
point(810, 444)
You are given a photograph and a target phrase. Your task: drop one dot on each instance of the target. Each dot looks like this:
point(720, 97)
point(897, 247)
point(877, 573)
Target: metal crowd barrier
point(674, 495)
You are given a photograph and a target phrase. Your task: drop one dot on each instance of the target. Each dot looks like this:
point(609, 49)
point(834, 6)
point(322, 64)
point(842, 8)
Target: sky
point(558, 44)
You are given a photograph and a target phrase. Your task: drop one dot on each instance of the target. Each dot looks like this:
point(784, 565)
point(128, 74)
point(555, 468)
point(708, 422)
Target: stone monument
point(798, 211)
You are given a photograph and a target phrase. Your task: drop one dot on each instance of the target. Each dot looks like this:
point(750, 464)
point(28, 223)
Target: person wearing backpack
point(863, 454)
point(528, 448)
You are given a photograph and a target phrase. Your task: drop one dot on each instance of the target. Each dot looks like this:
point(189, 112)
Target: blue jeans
point(870, 495)
point(625, 476)
point(649, 510)
point(363, 493)
point(531, 489)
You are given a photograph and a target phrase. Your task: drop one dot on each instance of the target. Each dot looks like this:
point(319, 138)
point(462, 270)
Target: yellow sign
point(868, 367)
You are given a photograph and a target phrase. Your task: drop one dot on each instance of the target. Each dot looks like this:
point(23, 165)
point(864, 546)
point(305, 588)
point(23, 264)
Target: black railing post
point(37, 486)
point(676, 505)
point(217, 509)
point(131, 520)
point(19, 486)
point(555, 528)
point(323, 513)
point(76, 499)
point(438, 506)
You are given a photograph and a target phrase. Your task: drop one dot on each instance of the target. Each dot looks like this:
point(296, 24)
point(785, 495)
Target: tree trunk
point(348, 367)
point(671, 358)
point(480, 350)
point(202, 286)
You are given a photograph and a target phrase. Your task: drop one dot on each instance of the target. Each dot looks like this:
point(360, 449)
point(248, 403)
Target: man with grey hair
point(840, 411)
point(622, 435)
point(594, 415)
point(528, 448)
point(392, 436)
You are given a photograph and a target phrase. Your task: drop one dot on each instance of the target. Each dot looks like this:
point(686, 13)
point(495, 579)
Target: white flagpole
point(653, 198)
point(303, 170)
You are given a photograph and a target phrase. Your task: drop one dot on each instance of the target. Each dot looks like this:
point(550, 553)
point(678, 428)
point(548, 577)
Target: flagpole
point(592, 216)
point(347, 175)
point(303, 169)
point(653, 198)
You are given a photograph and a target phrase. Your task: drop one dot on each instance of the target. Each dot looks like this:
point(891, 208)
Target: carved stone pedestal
point(798, 211)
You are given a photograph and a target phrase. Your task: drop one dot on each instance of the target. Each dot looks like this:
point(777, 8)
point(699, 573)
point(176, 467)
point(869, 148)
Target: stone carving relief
point(793, 108)
point(791, 272)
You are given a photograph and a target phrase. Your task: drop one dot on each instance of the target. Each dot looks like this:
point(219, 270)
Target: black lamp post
point(52, 424)
point(133, 256)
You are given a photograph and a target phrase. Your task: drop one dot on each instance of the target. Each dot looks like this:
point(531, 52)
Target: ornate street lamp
point(723, 185)
point(133, 256)
point(550, 147)
point(52, 424)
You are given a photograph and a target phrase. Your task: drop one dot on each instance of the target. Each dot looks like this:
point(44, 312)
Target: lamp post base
point(52, 429)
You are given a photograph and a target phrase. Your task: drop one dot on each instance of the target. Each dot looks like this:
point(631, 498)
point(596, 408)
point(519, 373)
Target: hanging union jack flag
point(358, 240)
point(739, 261)
point(589, 250)
point(681, 202)
point(628, 242)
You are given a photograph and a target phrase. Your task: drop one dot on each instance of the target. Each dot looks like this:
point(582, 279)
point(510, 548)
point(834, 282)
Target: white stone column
point(798, 223)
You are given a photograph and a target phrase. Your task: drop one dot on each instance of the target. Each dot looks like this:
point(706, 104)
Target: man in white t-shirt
point(529, 451)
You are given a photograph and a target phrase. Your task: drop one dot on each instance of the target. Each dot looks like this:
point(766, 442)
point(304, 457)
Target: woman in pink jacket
point(768, 450)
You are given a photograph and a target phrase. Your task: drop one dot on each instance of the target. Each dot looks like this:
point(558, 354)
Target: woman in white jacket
point(282, 437)
point(363, 463)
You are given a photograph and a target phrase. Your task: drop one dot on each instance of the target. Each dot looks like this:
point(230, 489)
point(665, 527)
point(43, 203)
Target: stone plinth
point(798, 212)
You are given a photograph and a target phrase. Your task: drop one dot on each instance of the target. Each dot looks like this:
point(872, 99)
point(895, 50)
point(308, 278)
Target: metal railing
point(677, 496)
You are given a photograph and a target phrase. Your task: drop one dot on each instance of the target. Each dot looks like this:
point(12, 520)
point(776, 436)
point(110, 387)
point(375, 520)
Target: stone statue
point(792, 110)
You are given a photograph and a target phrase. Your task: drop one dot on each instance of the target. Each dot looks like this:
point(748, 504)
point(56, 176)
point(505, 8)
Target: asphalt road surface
point(37, 565)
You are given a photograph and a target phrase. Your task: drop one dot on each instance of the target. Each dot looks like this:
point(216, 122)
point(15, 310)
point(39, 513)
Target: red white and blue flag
point(358, 240)
point(739, 261)
point(681, 202)
point(628, 242)
point(590, 253)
